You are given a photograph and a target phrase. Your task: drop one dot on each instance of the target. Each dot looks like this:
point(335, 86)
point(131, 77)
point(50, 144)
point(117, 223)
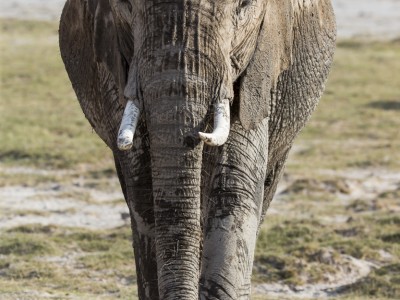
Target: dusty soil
point(98, 203)
point(85, 203)
point(378, 19)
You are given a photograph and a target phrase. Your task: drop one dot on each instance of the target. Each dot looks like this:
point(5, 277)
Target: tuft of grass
point(33, 229)
point(383, 282)
point(90, 241)
point(25, 245)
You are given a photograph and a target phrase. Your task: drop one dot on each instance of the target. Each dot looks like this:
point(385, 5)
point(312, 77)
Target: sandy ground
point(379, 19)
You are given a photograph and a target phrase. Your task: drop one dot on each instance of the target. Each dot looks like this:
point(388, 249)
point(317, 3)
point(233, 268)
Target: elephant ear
point(106, 43)
point(95, 64)
point(122, 11)
point(272, 55)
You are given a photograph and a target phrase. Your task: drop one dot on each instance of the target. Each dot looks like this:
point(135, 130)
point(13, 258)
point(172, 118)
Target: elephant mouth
point(176, 84)
point(218, 137)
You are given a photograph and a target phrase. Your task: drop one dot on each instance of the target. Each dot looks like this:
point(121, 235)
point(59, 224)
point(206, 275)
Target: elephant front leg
point(134, 172)
point(233, 215)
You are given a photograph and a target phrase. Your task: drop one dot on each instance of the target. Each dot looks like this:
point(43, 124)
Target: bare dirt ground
point(94, 204)
point(80, 203)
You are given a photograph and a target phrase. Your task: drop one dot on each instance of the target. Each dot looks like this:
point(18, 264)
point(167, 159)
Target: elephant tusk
point(128, 126)
point(221, 125)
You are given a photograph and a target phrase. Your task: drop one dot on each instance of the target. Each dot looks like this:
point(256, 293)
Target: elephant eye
point(243, 8)
point(244, 3)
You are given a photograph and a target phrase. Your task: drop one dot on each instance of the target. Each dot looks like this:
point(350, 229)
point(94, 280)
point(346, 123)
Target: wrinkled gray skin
point(196, 209)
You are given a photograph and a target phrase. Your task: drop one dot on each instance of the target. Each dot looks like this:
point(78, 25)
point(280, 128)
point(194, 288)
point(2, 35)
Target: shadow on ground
point(385, 104)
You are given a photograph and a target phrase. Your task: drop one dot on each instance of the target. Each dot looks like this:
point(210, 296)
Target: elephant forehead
point(300, 4)
point(170, 113)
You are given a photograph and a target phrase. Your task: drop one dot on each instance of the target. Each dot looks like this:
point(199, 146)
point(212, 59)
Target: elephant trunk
point(182, 74)
point(173, 118)
point(177, 217)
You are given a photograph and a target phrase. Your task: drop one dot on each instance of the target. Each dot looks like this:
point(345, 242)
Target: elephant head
point(213, 44)
point(153, 77)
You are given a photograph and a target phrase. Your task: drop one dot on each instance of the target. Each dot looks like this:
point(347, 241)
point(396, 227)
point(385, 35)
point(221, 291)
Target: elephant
point(200, 102)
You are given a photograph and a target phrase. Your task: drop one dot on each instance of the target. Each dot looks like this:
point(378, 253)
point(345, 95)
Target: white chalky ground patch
point(47, 205)
point(348, 275)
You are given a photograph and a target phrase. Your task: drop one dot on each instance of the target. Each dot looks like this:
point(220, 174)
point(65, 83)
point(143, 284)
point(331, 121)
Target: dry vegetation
point(332, 231)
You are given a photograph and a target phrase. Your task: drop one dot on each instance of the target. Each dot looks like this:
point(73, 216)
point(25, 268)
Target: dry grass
point(41, 124)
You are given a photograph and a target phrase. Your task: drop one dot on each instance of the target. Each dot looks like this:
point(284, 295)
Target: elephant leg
point(275, 169)
point(134, 172)
point(233, 213)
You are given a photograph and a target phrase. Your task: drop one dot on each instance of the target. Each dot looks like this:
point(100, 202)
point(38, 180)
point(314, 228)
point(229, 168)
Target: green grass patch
point(25, 245)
